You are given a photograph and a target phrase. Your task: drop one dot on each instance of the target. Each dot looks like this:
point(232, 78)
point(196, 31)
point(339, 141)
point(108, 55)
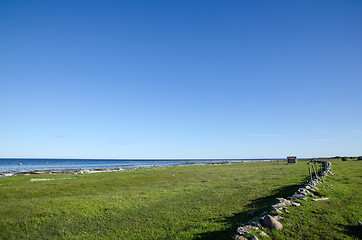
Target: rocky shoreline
point(97, 170)
point(66, 171)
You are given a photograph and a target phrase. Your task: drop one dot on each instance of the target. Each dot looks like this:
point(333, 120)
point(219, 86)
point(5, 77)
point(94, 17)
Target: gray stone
point(277, 211)
point(244, 230)
point(248, 226)
point(295, 204)
point(299, 196)
point(253, 237)
point(358, 221)
point(320, 199)
point(257, 224)
point(271, 222)
point(283, 200)
point(263, 234)
point(239, 237)
point(278, 205)
point(312, 190)
point(303, 191)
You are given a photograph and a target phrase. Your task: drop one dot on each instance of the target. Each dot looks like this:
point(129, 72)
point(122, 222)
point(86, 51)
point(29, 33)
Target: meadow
point(334, 218)
point(179, 202)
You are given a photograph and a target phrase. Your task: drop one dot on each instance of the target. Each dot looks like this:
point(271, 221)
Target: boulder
point(271, 222)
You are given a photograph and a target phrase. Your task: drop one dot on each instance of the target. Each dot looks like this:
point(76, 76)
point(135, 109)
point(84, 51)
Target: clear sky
point(180, 79)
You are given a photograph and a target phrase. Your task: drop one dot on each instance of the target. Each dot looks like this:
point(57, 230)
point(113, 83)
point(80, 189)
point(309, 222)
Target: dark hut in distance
point(292, 159)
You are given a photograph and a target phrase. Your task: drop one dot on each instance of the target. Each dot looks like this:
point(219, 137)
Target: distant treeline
point(344, 158)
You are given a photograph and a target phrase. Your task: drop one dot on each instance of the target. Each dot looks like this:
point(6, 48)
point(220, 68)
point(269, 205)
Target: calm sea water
point(29, 164)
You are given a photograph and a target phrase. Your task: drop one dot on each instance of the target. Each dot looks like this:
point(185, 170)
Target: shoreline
point(25, 166)
point(99, 170)
point(72, 171)
point(198, 162)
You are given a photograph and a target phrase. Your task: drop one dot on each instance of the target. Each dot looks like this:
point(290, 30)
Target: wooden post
point(310, 176)
point(316, 176)
point(318, 170)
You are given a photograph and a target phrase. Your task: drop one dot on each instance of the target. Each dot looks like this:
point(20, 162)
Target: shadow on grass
point(258, 205)
point(352, 230)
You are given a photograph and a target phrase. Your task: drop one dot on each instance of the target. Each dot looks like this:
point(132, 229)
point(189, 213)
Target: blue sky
point(180, 79)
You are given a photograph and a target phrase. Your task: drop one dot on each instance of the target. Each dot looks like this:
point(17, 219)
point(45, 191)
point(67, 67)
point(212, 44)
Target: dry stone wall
point(271, 219)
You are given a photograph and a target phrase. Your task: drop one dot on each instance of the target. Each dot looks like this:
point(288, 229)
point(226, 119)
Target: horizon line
point(158, 158)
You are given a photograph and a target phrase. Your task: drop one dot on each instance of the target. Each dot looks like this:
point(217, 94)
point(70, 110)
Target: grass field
point(193, 202)
point(331, 219)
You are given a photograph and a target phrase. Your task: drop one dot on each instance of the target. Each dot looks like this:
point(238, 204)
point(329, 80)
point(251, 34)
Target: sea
point(32, 164)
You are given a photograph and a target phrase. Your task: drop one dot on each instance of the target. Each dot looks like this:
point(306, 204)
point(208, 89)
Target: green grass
point(193, 202)
point(331, 219)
